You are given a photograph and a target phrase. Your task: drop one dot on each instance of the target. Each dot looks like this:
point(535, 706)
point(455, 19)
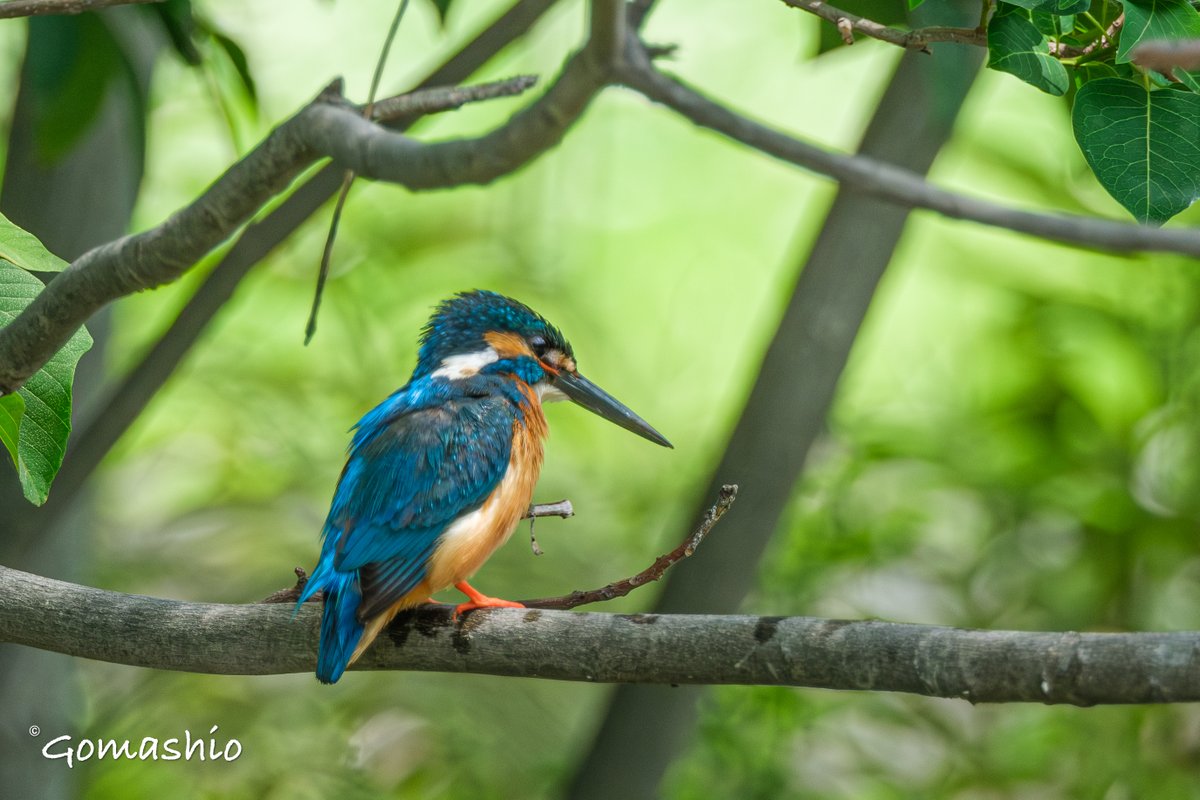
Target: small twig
point(310, 328)
point(918, 39)
point(1105, 40)
point(447, 98)
point(562, 508)
point(653, 572)
point(37, 8)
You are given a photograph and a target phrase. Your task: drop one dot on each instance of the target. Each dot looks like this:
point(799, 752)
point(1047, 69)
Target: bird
point(440, 473)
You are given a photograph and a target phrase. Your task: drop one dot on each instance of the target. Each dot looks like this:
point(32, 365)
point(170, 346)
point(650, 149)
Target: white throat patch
point(464, 365)
point(549, 393)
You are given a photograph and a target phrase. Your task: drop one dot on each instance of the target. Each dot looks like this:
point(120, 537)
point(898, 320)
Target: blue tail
point(340, 628)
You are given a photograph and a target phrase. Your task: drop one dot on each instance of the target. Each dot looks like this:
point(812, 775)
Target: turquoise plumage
point(439, 473)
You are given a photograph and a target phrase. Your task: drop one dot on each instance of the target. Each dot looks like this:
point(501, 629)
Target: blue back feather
point(426, 455)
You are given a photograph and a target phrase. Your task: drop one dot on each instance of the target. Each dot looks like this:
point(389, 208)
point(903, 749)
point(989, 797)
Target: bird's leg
point(478, 600)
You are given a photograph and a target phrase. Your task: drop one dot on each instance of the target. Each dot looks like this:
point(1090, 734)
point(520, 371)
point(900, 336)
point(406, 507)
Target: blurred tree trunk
point(72, 200)
point(647, 727)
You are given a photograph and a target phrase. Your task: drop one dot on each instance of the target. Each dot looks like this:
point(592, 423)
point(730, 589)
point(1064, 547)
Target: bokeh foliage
point(1014, 445)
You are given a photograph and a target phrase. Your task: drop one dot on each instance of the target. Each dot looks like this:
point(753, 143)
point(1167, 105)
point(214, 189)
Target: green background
point(1014, 444)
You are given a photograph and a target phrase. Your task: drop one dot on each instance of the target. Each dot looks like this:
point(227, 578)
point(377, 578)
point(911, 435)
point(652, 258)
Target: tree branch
point(606, 30)
point(918, 39)
point(326, 127)
point(37, 8)
point(894, 184)
point(653, 572)
point(264, 639)
point(108, 421)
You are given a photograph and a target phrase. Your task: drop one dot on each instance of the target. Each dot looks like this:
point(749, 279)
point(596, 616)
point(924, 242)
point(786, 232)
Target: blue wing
point(410, 474)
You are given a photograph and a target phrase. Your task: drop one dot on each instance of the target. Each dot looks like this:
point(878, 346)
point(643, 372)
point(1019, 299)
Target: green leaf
point(1052, 25)
point(1189, 79)
point(12, 408)
point(1143, 146)
point(23, 249)
point(43, 429)
point(914, 3)
point(1156, 19)
point(237, 56)
point(1060, 8)
point(1017, 47)
point(1093, 71)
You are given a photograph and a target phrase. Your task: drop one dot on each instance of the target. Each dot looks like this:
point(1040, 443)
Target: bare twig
point(38, 8)
point(562, 508)
point(918, 39)
point(310, 327)
point(1104, 41)
point(444, 98)
point(651, 573)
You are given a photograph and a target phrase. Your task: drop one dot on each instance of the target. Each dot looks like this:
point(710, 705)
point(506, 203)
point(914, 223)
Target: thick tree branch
point(894, 184)
point(37, 8)
point(263, 639)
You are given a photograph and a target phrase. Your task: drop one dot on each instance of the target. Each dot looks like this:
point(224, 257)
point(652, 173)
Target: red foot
point(478, 600)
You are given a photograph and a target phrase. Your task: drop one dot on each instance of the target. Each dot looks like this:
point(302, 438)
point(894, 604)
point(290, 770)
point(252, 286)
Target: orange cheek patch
point(507, 345)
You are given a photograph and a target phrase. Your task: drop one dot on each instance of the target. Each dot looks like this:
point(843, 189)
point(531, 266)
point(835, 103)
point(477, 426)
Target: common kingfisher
point(440, 473)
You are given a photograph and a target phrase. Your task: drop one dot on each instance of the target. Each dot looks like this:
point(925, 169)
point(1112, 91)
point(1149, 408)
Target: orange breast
point(472, 539)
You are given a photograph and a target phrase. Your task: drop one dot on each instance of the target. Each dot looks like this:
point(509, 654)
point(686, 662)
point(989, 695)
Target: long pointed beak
point(587, 394)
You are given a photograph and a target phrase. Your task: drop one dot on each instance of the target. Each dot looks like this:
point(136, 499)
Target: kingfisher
point(440, 473)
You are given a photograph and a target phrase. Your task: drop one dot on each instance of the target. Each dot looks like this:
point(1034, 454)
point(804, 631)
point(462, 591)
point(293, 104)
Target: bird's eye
point(538, 344)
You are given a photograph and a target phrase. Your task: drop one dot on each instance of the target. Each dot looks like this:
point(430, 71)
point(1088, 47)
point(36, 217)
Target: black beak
point(587, 394)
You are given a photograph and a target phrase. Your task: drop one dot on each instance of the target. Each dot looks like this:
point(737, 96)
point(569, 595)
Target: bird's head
point(484, 333)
